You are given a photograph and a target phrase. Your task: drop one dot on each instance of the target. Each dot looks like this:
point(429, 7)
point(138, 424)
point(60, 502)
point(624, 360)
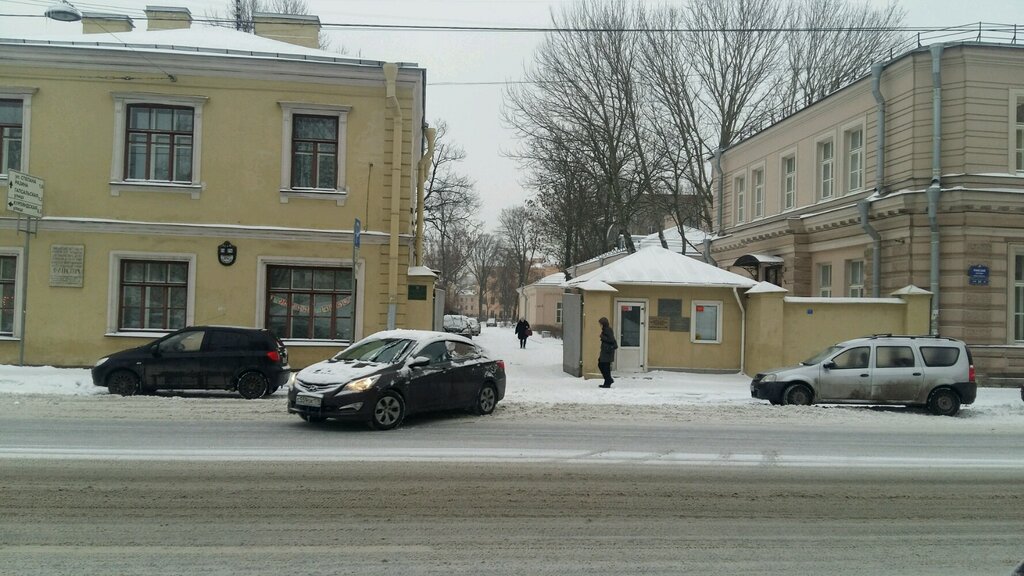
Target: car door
point(428, 386)
point(846, 377)
point(176, 361)
point(225, 352)
point(897, 375)
point(466, 374)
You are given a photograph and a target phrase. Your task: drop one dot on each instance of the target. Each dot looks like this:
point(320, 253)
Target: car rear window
point(940, 355)
point(226, 340)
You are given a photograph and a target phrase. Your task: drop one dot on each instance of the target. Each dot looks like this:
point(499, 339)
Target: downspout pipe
point(721, 189)
point(424, 167)
point(935, 188)
point(864, 206)
point(743, 329)
point(390, 78)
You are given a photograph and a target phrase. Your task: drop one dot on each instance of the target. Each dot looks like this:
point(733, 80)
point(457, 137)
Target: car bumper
point(343, 406)
point(771, 391)
point(968, 392)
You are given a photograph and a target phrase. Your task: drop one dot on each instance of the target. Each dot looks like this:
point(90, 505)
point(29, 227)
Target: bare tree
point(483, 261)
point(516, 228)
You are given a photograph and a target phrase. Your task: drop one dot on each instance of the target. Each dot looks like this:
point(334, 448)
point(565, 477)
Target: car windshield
point(821, 355)
point(386, 351)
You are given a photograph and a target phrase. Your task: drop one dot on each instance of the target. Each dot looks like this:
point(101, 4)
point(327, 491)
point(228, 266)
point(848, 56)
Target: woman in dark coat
point(522, 331)
point(608, 346)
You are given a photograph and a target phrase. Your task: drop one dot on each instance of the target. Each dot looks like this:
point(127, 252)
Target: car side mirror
point(418, 361)
point(155, 350)
point(828, 365)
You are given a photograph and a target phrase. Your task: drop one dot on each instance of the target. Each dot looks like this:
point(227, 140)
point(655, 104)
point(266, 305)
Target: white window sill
point(338, 196)
point(9, 339)
point(705, 341)
point(194, 190)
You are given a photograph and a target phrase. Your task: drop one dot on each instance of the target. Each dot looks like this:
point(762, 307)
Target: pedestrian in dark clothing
point(523, 332)
point(608, 347)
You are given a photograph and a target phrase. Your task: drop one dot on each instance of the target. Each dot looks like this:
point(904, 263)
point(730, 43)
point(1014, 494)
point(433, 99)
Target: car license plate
point(308, 400)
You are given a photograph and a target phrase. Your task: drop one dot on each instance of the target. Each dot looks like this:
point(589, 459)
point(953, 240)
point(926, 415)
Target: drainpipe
point(935, 188)
point(876, 246)
point(743, 329)
point(390, 76)
point(424, 165)
point(721, 187)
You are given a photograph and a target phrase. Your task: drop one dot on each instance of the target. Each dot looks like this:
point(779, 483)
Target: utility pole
point(238, 14)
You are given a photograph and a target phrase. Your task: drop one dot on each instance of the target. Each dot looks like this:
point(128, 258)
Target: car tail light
point(274, 356)
point(970, 374)
point(501, 364)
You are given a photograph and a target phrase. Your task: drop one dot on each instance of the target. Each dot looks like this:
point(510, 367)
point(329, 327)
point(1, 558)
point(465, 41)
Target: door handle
point(865, 375)
point(917, 373)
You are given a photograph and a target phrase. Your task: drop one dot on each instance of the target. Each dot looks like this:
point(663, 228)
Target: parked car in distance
point(457, 324)
point(474, 325)
point(251, 361)
point(385, 377)
point(929, 371)
point(491, 322)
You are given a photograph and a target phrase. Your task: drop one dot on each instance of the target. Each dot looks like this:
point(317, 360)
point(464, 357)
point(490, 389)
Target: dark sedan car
point(383, 378)
point(251, 361)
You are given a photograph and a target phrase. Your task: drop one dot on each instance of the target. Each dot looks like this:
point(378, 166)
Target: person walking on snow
point(608, 346)
point(523, 331)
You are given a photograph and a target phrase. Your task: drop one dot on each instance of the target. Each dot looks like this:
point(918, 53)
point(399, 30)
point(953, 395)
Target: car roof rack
point(888, 335)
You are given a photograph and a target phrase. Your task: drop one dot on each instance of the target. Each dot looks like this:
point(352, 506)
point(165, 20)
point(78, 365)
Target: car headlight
point(770, 378)
point(362, 383)
point(101, 361)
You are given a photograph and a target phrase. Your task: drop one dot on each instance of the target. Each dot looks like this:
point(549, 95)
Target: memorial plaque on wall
point(657, 323)
point(417, 292)
point(67, 265)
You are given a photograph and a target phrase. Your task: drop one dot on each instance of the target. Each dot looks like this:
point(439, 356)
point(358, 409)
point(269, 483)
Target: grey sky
point(465, 70)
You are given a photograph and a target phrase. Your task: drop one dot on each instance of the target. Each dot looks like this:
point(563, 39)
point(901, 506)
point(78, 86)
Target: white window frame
point(118, 184)
point(757, 188)
point(855, 285)
point(114, 289)
point(718, 321)
point(825, 280)
point(825, 176)
point(1016, 133)
point(739, 187)
point(264, 262)
point(853, 157)
point(1015, 315)
point(25, 95)
point(288, 110)
point(788, 182)
point(19, 295)
point(558, 312)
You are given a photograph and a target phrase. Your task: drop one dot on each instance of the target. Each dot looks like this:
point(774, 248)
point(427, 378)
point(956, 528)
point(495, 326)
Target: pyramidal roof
point(657, 266)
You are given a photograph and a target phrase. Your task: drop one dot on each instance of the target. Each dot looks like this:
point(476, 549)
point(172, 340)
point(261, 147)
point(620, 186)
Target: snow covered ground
point(535, 378)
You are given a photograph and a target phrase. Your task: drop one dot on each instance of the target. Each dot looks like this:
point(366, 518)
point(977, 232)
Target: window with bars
point(11, 112)
point(854, 159)
point(825, 166)
point(159, 143)
point(306, 302)
point(315, 152)
point(8, 291)
point(153, 295)
point(788, 182)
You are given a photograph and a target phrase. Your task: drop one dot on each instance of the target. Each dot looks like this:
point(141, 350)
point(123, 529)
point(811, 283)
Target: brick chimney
point(291, 28)
point(100, 23)
point(168, 18)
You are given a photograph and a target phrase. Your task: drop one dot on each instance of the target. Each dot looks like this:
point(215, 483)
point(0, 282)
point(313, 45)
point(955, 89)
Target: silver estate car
point(926, 371)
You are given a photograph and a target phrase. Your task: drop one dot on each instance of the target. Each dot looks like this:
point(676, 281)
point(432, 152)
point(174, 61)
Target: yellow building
point(197, 175)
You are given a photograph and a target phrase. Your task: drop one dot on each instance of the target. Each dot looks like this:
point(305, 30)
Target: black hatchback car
point(251, 361)
point(382, 378)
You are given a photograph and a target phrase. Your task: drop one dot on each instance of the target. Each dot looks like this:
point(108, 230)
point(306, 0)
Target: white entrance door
point(631, 332)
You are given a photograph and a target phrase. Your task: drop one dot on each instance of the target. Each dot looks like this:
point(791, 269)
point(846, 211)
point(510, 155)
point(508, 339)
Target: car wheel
point(252, 385)
point(388, 412)
point(312, 418)
point(798, 394)
point(123, 382)
point(944, 402)
point(486, 400)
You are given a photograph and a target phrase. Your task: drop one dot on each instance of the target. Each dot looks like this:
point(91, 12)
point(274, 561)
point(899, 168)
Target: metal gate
point(439, 298)
point(572, 334)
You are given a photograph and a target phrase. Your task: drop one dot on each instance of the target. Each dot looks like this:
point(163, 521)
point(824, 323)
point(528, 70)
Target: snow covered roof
point(694, 238)
point(212, 40)
point(655, 265)
point(767, 288)
point(555, 279)
point(421, 271)
point(594, 285)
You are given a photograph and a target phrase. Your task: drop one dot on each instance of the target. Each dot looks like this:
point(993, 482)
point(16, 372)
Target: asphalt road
point(102, 491)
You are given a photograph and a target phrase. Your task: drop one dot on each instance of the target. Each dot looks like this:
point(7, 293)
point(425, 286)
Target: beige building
point(911, 176)
point(207, 176)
